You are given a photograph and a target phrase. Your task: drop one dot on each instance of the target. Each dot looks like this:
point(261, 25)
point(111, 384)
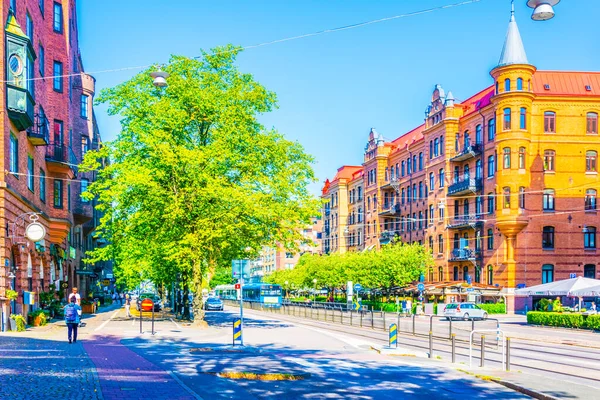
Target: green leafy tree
point(222, 276)
point(194, 179)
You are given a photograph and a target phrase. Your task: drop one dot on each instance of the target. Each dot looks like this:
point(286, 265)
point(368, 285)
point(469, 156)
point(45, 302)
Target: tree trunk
point(198, 303)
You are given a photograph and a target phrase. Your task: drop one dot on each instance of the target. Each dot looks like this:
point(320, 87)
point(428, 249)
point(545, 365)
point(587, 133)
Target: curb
point(524, 390)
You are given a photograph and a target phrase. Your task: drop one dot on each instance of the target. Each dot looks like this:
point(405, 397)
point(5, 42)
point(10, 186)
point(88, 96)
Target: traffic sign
point(469, 280)
point(470, 289)
point(572, 275)
point(357, 287)
point(421, 287)
point(237, 286)
point(147, 305)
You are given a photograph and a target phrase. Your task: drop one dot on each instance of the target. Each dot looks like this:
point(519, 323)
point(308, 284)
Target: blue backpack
point(71, 313)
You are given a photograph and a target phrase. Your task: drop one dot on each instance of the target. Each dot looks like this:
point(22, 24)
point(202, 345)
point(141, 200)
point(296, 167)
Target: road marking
point(183, 385)
point(176, 324)
point(107, 321)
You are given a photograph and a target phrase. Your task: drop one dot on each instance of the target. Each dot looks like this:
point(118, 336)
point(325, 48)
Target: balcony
point(463, 255)
point(20, 106)
point(390, 209)
point(466, 221)
point(61, 156)
point(465, 186)
point(39, 132)
point(387, 236)
point(467, 152)
point(83, 213)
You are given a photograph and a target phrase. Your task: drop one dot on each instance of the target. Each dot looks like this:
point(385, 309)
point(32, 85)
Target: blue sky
point(334, 87)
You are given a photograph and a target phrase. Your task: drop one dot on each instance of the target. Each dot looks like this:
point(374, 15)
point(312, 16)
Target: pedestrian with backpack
point(72, 318)
point(128, 305)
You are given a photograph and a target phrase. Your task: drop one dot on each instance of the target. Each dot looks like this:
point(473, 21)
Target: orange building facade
point(501, 187)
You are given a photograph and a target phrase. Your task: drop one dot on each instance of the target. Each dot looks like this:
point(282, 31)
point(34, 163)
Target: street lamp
point(315, 293)
point(542, 9)
point(160, 78)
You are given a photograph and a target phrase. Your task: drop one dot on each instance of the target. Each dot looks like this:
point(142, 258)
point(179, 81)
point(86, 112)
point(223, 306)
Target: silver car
point(464, 311)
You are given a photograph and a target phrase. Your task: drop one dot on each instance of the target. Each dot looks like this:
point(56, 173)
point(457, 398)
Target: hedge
point(493, 308)
point(567, 320)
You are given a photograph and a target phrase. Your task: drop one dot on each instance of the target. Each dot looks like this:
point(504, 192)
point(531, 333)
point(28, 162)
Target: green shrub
point(20, 320)
point(593, 322)
point(11, 294)
point(555, 319)
point(43, 314)
point(493, 308)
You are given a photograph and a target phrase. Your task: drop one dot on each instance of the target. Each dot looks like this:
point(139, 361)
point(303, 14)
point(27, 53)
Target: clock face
point(35, 232)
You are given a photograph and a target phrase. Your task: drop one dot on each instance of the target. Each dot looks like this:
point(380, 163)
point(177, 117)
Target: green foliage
point(555, 319)
point(194, 178)
point(222, 276)
point(20, 320)
point(493, 308)
point(47, 297)
point(11, 294)
point(42, 314)
point(394, 265)
point(593, 322)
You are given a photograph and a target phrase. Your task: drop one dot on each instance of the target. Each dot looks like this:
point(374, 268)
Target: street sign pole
point(241, 301)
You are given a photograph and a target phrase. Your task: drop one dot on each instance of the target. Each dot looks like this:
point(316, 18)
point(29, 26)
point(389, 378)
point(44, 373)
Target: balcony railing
point(390, 209)
point(466, 221)
point(61, 154)
point(20, 105)
point(465, 186)
point(39, 132)
point(463, 255)
point(467, 152)
point(387, 236)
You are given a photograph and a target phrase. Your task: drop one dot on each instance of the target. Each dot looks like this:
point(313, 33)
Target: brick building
point(502, 186)
point(49, 124)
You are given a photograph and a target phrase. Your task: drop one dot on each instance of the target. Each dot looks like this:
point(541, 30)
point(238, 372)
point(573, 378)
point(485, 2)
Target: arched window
point(592, 123)
point(548, 237)
point(431, 181)
point(467, 172)
point(589, 237)
point(523, 118)
point(521, 157)
point(457, 142)
point(590, 199)
point(420, 161)
point(490, 239)
point(506, 197)
point(403, 168)
point(549, 122)
point(491, 129)
point(456, 173)
point(519, 83)
point(466, 207)
point(507, 122)
point(490, 275)
point(506, 158)
point(591, 158)
point(478, 169)
point(478, 138)
point(440, 274)
point(436, 147)
point(430, 149)
point(456, 277)
point(467, 140)
point(522, 197)
point(547, 273)
point(477, 274)
point(465, 273)
point(507, 85)
point(497, 87)
point(84, 185)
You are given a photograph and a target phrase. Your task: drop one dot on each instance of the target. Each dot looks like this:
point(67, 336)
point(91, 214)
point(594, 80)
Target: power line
point(271, 42)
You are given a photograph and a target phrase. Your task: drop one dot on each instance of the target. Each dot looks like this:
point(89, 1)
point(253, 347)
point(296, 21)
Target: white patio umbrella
point(565, 287)
point(591, 291)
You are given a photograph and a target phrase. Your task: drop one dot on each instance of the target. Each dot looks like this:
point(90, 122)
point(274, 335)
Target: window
point(457, 142)
point(58, 78)
point(14, 154)
point(440, 274)
point(548, 237)
point(467, 140)
point(84, 106)
point(403, 196)
point(589, 271)
point(431, 181)
point(590, 199)
point(13, 5)
point(507, 85)
point(477, 274)
point(519, 84)
point(590, 161)
point(522, 197)
point(58, 18)
point(506, 197)
point(29, 26)
point(490, 275)
point(592, 123)
point(431, 214)
point(84, 185)
point(69, 196)
point(456, 174)
point(490, 239)
point(478, 135)
point(430, 149)
point(497, 87)
point(41, 2)
point(549, 160)
point(414, 192)
point(465, 273)
point(30, 177)
point(491, 203)
point(403, 168)
point(523, 118)
point(42, 185)
point(589, 237)
point(491, 129)
point(455, 274)
point(420, 190)
point(491, 166)
point(440, 244)
point(58, 193)
point(507, 125)
point(506, 158)
point(436, 147)
point(421, 220)
point(466, 207)
point(479, 205)
point(549, 122)
point(41, 58)
point(420, 161)
point(548, 200)
point(478, 169)
point(521, 157)
point(547, 273)
point(441, 178)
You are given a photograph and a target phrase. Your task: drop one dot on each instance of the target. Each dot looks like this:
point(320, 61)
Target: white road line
point(183, 385)
point(107, 321)
point(176, 324)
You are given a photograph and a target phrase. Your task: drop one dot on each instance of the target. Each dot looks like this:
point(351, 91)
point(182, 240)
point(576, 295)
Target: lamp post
point(315, 292)
point(286, 290)
point(542, 9)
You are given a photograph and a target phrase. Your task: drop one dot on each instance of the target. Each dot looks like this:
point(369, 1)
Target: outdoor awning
point(592, 291)
point(567, 287)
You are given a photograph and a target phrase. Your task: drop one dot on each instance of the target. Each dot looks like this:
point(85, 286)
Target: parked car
point(464, 311)
point(153, 297)
point(213, 303)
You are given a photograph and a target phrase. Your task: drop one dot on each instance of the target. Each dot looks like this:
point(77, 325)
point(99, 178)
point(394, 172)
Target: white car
point(464, 311)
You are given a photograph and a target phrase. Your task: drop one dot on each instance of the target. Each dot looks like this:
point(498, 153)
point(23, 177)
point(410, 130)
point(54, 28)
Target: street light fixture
point(542, 9)
point(315, 293)
point(160, 78)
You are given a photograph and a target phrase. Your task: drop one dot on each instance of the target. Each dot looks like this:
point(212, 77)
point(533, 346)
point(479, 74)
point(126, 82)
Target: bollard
point(341, 316)
point(152, 318)
point(453, 348)
point(482, 361)
point(140, 312)
point(398, 323)
point(383, 315)
point(361, 317)
point(450, 328)
point(508, 354)
point(472, 325)
point(372, 320)
point(431, 323)
point(430, 344)
point(414, 316)
point(351, 311)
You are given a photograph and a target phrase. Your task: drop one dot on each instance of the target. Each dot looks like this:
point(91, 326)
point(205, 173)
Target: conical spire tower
point(513, 51)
